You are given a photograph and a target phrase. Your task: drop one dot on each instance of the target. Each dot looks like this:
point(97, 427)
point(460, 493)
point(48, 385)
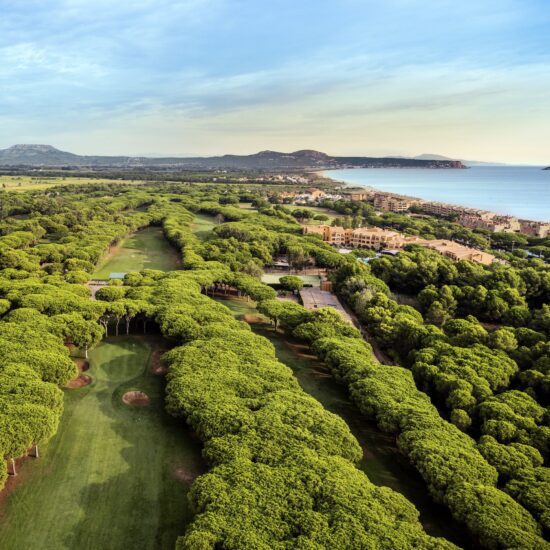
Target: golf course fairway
point(115, 476)
point(145, 249)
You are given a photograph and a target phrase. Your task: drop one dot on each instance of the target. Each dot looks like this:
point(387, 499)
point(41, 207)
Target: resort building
point(534, 229)
point(314, 194)
point(440, 209)
point(489, 221)
point(360, 196)
point(377, 238)
point(363, 237)
point(457, 252)
point(472, 218)
point(392, 241)
point(394, 203)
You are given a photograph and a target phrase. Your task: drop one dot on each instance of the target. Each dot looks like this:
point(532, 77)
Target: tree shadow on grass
point(382, 461)
point(145, 505)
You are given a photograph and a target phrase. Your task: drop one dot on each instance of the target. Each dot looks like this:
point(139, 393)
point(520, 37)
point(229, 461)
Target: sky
point(466, 79)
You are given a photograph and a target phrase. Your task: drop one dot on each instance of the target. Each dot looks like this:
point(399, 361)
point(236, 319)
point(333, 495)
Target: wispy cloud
point(351, 75)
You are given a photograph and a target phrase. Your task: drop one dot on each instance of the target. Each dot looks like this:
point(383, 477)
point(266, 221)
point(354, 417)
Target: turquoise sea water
point(522, 191)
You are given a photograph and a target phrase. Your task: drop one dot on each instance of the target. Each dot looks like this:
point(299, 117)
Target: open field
point(114, 476)
point(246, 206)
point(36, 183)
point(146, 249)
point(203, 224)
point(316, 210)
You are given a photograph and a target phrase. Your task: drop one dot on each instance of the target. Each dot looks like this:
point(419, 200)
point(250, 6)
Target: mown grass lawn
point(38, 183)
point(114, 477)
point(145, 249)
point(316, 210)
point(203, 225)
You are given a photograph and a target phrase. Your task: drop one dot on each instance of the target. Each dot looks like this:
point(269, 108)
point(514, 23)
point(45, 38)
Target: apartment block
point(441, 208)
point(534, 229)
point(379, 239)
point(363, 237)
point(489, 221)
point(394, 203)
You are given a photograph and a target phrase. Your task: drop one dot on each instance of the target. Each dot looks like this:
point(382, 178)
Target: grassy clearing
point(382, 461)
point(146, 249)
point(316, 210)
point(247, 206)
point(114, 476)
point(203, 225)
point(38, 183)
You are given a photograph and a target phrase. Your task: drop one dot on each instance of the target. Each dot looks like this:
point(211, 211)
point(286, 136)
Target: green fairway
point(202, 225)
point(114, 477)
point(146, 249)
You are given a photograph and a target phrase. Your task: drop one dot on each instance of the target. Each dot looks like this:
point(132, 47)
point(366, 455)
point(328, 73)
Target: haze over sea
point(522, 191)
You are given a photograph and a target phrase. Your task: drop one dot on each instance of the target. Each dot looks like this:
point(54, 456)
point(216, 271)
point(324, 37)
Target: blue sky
point(467, 79)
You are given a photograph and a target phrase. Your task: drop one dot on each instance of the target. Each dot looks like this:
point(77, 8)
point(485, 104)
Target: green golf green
point(145, 249)
point(115, 476)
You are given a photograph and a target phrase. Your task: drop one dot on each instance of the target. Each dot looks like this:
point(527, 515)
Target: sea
point(522, 191)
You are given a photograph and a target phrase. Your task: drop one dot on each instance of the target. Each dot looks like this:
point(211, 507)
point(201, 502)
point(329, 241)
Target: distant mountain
point(48, 156)
point(428, 156)
point(547, 168)
point(35, 154)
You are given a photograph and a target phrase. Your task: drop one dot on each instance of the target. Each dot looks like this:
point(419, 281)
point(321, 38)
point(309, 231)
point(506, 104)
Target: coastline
point(501, 213)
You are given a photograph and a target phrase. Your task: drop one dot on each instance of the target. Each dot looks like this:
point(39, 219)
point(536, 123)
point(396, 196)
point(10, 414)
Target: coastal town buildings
point(472, 218)
point(534, 229)
point(394, 203)
point(363, 195)
point(314, 194)
point(440, 208)
point(380, 239)
point(489, 221)
point(286, 178)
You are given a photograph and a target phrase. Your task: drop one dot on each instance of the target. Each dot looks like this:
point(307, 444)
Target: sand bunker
point(82, 364)
point(80, 381)
point(136, 398)
point(253, 319)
